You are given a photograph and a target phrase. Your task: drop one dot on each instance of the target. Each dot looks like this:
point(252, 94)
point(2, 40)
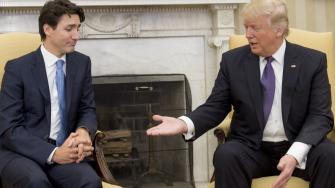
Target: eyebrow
point(73, 25)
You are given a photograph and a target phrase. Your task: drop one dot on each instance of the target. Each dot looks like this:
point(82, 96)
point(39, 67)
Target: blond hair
point(276, 10)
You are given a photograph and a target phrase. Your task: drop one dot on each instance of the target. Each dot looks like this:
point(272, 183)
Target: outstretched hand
point(169, 126)
point(286, 165)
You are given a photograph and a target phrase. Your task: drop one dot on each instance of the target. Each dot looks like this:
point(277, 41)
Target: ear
point(47, 29)
point(279, 31)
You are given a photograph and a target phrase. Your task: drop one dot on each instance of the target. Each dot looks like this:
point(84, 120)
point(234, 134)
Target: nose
point(248, 33)
point(76, 35)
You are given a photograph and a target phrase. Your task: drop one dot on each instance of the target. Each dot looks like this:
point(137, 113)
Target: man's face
point(64, 37)
point(263, 39)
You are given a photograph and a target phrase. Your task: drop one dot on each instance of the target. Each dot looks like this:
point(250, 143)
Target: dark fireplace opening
point(125, 105)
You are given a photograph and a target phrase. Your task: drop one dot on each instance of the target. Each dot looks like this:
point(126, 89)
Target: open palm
point(168, 126)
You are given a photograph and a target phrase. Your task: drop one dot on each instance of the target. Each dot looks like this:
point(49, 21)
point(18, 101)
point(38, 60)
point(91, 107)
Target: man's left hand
point(286, 165)
point(84, 144)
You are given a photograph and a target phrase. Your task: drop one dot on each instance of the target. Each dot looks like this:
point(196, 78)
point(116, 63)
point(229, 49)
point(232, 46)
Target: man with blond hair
point(281, 97)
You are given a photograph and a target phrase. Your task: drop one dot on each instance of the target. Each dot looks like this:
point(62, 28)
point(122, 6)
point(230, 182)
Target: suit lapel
point(70, 77)
point(290, 76)
point(252, 72)
point(40, 77)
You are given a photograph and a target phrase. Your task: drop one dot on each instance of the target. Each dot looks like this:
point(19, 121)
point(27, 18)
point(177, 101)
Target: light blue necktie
point(268, 82)
point(60, 84)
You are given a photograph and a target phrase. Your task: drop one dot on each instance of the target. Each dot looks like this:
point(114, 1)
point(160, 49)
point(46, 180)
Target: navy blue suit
point(306, 113)
point(25, 106)
point(306, 97)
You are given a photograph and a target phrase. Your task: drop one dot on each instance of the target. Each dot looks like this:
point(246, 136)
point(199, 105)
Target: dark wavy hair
point(52, 11)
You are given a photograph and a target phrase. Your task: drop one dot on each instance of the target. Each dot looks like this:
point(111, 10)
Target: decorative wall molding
point(23, 10)
point(223, 27)
point(123, 22)
point(228, 6)
point(143, 9)
point(39, 3)
point(36, 10)
point(109, 23)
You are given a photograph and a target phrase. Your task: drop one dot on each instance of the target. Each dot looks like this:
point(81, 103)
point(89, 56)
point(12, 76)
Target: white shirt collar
point(49, 58)
point(279, 54)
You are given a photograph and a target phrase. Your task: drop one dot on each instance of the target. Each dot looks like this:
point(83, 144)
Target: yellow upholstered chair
point(13, 45)
point(320, 41)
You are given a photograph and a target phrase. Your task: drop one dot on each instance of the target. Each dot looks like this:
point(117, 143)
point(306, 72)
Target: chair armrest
point(222, 129)
point(331, 135)
point(100, 161)
point(220, 135)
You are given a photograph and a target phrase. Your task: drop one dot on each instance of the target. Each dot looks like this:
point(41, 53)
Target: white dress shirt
point(50, 67)
point(274, 128)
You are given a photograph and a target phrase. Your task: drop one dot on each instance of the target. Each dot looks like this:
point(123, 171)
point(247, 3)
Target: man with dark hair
point(47, 108)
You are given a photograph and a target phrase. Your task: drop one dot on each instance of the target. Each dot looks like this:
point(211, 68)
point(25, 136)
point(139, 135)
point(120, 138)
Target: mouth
point(253, 44)
point(72, 45)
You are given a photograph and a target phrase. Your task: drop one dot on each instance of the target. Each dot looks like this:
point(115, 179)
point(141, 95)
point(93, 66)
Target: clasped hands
point(75, 148)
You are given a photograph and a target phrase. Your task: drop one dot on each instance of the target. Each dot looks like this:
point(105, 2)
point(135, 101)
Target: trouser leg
point(236, 164)
point(321, 165)
point(22, 172)
point(74, 175)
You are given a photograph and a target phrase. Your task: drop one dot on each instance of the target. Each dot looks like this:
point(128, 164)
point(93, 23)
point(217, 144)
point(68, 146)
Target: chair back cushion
point(14, 45)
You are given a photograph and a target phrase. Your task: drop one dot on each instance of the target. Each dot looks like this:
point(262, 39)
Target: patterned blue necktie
point(268, 82)
point(60, 83)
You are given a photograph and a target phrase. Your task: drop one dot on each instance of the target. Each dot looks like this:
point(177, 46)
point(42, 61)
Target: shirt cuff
point(299, 151)
point(190, 127)
point(49, 160)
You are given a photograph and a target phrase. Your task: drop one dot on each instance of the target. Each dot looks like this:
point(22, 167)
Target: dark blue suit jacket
point(25, 105)
point(306, 97)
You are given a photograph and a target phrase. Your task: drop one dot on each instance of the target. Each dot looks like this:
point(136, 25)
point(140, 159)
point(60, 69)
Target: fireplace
point(125, 105)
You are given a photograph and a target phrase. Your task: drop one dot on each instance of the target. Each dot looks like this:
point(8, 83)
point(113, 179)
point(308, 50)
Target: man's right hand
point(84, 144)
point(168, 126)
point(67, 152)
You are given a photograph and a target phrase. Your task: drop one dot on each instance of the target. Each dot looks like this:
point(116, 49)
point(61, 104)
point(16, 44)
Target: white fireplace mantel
point(124, 18)
point(149, 37)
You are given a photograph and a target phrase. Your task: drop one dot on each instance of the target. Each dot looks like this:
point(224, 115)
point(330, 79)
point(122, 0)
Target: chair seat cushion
point(107, 185)
point(266, 182)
